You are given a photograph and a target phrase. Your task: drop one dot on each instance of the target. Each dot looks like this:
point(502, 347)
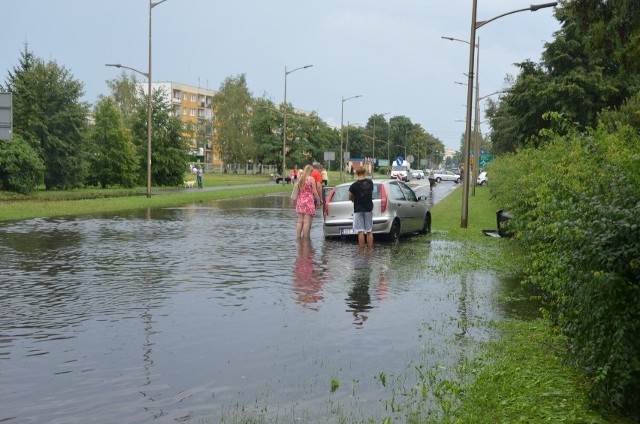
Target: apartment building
point(194, 106)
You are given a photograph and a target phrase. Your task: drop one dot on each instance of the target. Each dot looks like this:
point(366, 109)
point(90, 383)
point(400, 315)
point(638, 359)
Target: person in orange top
point(317, 176)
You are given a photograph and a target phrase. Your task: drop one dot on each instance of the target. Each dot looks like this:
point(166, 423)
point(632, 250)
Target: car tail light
point(327, 200)
point(383, 198)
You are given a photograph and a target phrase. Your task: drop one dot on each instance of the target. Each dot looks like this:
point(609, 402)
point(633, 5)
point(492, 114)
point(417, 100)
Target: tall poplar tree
point(232, 121)
point(114, 161)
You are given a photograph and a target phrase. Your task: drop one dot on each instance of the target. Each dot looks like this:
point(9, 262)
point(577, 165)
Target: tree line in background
point(568, 135)
point(63, 143)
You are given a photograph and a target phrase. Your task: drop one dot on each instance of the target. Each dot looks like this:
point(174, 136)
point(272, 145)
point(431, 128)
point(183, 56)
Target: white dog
point(189, 184)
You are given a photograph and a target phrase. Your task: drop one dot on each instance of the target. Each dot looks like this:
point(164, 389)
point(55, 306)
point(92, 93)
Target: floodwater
point(212, 311)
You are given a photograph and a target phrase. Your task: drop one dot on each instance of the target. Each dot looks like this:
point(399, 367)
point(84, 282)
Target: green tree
point(21, 169)
point(168, 149)
point(592, 64)
point(232, 121)
point(266, 129)
point(48, 114)
point(113, 158)
point(126, 94)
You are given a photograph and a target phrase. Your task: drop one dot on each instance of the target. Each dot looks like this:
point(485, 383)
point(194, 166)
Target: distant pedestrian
point(432, 179)
point(351, 172)
point(325, 177)
point(361, 194)
point(199, 176)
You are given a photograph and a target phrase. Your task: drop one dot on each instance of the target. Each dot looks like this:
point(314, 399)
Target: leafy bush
point(21, 169)
point(576, 207)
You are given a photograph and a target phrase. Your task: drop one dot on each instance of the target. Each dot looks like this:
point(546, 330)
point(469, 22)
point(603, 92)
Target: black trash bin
point(502, 219)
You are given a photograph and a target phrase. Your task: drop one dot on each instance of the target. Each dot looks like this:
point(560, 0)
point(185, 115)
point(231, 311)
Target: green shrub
point(576, 207)
point(21, 169)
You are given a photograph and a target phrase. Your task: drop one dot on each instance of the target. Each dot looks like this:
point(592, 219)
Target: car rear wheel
point(483, 184)
point(457, 180)
point(426, 227)
point(394, 232)
point(438, 180)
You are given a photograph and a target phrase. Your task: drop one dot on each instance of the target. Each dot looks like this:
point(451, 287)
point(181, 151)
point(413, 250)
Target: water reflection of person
point(308, 278)
point(359, 300)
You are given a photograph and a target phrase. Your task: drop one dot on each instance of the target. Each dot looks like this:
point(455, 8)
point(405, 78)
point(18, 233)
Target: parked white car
point(447, 176)
point(397, 210)
point(482, 179)
point(418, 174)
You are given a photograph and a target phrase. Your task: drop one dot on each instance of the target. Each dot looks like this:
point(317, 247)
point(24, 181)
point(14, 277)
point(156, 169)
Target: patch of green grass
point(520, 377)
point(475, 251)
point(37, 207)
point(524, 380)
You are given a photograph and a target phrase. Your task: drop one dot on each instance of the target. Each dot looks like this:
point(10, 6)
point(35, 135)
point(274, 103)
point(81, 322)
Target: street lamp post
point(284, 124)
point(476, 140)
point(405, 149)
point(152, 4)
point(475, 24)
point(476, 126)
point(147, 75)
point(373, 146)
point(341, 131)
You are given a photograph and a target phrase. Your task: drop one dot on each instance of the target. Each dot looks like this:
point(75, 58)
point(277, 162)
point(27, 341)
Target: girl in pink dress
point(306, 202)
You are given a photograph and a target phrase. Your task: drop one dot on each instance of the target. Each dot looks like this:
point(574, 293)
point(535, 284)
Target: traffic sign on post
point(485, 159)
point(6, 116)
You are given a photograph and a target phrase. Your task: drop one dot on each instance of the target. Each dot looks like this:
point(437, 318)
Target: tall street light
point(152, 4)
point(148, 76)
point(284, 124)
point(341, 131)
point(475, 24)
point(373, 147)
point(476, 129)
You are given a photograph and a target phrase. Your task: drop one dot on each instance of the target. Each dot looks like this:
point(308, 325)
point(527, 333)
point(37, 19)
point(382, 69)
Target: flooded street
point(213, 311)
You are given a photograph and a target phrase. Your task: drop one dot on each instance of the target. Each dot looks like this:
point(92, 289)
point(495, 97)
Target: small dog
point(189, 184)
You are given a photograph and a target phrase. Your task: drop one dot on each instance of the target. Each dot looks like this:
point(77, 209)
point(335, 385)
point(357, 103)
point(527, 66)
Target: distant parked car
point(418, 174)
point(482, 179)
point(447, 176)
point(396, 211)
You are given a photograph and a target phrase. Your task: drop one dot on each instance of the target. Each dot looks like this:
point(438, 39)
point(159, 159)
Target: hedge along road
point(212, 308)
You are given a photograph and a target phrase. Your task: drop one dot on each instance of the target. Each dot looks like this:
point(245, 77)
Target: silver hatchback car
point(396, 211)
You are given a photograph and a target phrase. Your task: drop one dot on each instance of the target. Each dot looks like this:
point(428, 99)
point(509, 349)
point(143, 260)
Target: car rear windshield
point(341, 193)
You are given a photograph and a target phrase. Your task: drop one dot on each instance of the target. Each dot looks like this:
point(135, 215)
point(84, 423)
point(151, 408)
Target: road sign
point(6, 116)
point(485, 159)
point(329, 155)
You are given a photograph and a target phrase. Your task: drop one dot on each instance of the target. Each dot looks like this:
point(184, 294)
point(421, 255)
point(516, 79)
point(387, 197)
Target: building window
point(193, 112)
point(193, 97)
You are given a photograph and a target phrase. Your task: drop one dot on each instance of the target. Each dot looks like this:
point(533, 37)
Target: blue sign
point(399, 160)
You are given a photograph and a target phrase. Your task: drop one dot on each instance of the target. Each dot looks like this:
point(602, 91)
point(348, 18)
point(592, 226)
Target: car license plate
point(346, 231)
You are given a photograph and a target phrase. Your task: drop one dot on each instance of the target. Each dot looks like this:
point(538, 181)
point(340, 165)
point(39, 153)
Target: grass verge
point(520, 377)
point(83, 202)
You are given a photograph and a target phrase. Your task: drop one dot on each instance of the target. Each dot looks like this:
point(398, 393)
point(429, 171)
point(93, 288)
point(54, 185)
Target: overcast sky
point(390, 52)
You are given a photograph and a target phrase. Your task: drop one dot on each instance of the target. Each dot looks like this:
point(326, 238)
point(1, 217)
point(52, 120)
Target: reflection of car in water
point(396, 211)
